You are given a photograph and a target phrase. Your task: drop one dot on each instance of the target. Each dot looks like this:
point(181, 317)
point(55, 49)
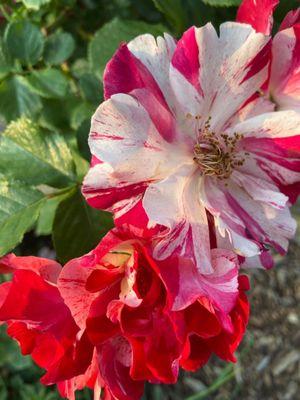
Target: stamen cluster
point(216, 154)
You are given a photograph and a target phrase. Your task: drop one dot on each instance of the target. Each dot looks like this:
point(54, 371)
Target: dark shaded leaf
point(77, 227)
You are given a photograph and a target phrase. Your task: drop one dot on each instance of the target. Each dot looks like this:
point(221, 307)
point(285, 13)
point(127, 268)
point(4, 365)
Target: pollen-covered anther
point(217, 157)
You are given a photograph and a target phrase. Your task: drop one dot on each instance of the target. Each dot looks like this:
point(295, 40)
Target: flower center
point(216, 154)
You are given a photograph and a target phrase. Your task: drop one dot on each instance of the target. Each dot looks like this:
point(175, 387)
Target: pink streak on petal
point(161, 116)
point(104, 198)
point(186, 58)
point(259, 61)
point(255, 230)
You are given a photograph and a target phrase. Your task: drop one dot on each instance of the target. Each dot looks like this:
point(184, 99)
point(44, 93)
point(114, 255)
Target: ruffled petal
point(72, 286)
point(185, 284)
point(48, 269)
point(39, 320)
point(114, 360)
point(264, 223)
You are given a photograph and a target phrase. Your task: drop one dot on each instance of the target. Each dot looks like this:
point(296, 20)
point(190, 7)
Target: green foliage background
point(52, 56)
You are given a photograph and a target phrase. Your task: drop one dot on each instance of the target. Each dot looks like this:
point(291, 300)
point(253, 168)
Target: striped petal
point(132, 153)
point(273, 142)
point(214, 75)
point(141, 69)
point(175, 204)
point(250, 223)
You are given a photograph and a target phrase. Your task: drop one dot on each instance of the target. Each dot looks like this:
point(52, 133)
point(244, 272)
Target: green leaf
point(91, 88)
point(6, 62)
point(17, 99)
point(10, 355)
point(77, 227)
point(35, 4)
point(56, 113)
point(222, 3)
point(48, 83)
point(24, 41)
point(109, 37)
point(34, 156)
point(174, 13)
point(47, 213)
point(58, 48)
point(19, 209)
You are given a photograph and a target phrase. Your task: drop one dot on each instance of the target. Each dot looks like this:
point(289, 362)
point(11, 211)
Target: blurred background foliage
point(52, 56)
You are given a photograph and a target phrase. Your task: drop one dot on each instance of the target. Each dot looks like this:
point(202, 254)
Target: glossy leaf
point(78, 227)
point(19, 209)
point(24, 41)
point(34, 156)
point(108, 38)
